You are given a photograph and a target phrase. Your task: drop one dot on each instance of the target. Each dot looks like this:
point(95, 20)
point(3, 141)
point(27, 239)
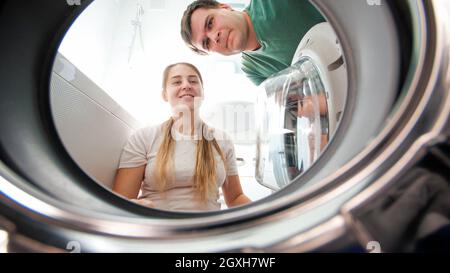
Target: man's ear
point(164, 95)
point(225, 6)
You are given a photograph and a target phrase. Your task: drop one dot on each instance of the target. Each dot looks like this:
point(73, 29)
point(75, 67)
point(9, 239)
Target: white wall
point(88, 42)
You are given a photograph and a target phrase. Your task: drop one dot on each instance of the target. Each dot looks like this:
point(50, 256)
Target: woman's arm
point(128, 181)
point(232, 192)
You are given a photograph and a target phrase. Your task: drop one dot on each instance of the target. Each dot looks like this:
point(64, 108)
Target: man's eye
point(193, 81)
point(177, 82)
point(210, 24)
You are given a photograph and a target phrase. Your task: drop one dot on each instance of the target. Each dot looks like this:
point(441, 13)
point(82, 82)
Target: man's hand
point(306, 105)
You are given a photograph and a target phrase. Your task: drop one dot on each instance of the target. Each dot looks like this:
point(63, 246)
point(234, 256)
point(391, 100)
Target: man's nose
point(214, 36)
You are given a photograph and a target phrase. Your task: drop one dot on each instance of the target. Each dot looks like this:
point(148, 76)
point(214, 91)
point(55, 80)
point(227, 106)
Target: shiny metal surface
point(291, 220)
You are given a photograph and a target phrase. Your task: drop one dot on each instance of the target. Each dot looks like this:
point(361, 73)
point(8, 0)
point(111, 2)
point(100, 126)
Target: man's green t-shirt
point(279, 25)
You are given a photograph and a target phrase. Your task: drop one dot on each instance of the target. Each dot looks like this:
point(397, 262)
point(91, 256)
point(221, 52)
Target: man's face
point(220, 30)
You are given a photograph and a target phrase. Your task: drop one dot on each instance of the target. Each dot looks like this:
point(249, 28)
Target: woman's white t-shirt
point(141, 149)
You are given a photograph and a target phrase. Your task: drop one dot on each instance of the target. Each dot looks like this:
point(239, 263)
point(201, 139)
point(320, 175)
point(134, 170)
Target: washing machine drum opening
point(46, 197)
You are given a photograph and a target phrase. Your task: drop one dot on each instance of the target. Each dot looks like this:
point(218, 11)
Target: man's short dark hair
point(186, 30)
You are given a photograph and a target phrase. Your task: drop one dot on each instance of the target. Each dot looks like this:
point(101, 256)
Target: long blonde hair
point(204, 177)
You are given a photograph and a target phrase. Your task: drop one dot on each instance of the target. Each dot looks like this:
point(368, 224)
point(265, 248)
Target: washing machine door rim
point(272, 209)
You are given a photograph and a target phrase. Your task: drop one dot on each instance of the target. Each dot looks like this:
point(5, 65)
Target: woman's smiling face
point(183, 87)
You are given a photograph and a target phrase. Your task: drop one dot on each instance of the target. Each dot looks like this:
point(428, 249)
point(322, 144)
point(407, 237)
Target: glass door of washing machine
point(293, 124)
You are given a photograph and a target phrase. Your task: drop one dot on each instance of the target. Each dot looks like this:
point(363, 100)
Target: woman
point(180, 164)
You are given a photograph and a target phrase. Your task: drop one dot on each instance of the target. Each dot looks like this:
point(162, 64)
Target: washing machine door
point(299, 108)
point(297, 126)
point(394, 130)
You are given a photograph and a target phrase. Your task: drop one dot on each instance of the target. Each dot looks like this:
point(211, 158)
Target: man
point(267, 32)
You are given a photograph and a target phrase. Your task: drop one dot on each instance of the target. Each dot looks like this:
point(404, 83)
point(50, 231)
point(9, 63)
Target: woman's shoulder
point(148, 132)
